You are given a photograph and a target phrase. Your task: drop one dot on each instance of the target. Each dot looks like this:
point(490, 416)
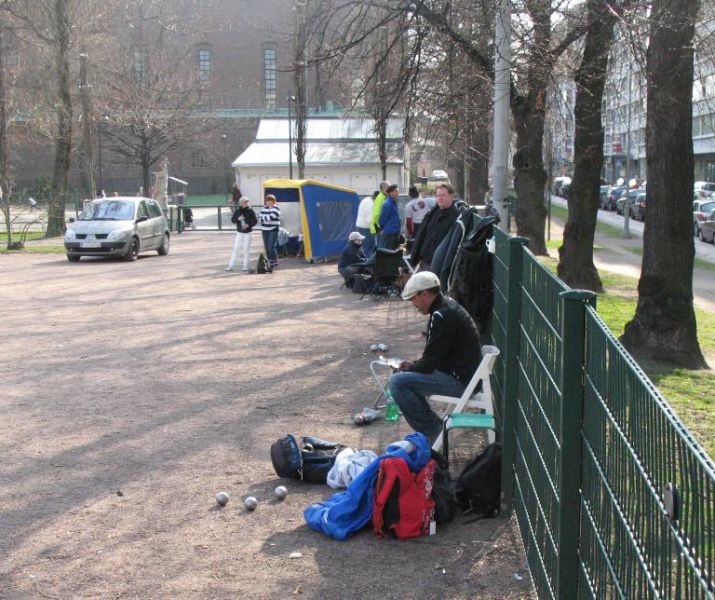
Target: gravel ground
point(133, 392)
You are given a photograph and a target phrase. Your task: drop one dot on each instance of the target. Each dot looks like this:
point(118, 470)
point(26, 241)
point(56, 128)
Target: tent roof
point(319, 153)
point(329, 129)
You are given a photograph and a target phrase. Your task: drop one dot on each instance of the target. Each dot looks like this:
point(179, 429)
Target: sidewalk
point(622, 256)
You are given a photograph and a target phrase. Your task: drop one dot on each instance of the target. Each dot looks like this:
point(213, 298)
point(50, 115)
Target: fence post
point(511, 372)
point(573, 337)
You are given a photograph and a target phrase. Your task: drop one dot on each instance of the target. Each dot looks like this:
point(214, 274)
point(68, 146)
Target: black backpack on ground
point(445, 502)
point(478, 488)
point(309, 460)
point(263, 266)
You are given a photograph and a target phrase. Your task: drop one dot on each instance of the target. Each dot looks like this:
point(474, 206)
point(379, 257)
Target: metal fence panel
point(635, 450)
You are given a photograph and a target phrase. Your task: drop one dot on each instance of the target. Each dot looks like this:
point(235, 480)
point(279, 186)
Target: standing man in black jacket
point(435, 227)
point(450, 358)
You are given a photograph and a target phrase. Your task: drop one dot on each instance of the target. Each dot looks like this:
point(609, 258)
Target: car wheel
point(72, 258)
point(133, 250)
point(163, 250)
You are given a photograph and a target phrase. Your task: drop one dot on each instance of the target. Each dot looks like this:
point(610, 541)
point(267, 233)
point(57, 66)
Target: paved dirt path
point(133, 392)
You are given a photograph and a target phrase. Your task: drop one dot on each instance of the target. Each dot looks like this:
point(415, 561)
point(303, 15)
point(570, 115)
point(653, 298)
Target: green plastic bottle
point(392, 413)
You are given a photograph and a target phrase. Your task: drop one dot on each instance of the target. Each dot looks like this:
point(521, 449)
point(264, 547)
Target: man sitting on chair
point(451, 355)
point(351, 258)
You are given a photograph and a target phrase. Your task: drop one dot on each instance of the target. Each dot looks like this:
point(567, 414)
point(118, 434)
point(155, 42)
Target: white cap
point(424, 280)
point(356, 237)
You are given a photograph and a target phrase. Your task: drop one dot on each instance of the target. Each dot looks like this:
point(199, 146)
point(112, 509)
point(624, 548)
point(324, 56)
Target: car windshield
point(108, 210)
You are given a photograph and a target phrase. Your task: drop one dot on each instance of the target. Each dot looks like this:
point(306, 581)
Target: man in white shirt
point(415, 211)
point(362, 223)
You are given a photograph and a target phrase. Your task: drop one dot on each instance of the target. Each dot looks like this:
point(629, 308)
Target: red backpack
point(404, 507)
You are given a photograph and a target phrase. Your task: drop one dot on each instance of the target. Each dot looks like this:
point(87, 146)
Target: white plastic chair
point(483, 400)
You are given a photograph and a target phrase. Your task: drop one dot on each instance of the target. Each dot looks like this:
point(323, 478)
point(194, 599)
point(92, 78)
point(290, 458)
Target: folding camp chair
point(455, 416)
point(386, 270)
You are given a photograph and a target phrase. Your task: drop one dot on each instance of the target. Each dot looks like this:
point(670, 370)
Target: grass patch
point(698, 262)
point(49, 249)
point(690, 393)
point(16, 235)
point(561, 213)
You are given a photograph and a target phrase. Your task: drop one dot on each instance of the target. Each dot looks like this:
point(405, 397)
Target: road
point(620, 255)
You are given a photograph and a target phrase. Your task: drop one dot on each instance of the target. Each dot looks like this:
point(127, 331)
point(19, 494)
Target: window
point(204, 57)
point(142, 210)
point(198, 159)
point(139, 66)
point(269, 77)
point(154, 209)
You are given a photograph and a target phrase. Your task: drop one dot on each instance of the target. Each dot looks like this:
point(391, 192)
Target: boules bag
point(309, 460)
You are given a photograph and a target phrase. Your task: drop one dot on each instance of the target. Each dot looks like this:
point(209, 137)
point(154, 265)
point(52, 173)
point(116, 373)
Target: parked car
point(631, 195)
point(614, 193)
point(559, 183)
point(638, 207)
point(118, 226)
point(707, 228)
point(704, 189)
point(440, 175)
point(701, 208)
point(604, 201)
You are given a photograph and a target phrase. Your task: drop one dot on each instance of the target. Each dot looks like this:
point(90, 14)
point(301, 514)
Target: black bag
point(362, 284)
point(478, 488)
point(263, 266)
point(310, 460)
point(445, 502)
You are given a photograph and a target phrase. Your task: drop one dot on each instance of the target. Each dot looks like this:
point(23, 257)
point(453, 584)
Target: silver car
point(118, 226)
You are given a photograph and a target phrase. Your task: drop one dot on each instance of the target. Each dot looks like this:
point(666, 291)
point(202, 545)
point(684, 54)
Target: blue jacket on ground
point(346, 512)
point(389, 221)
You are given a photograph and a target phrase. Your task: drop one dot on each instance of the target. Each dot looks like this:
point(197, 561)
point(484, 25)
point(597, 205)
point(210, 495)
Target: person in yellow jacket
point(377, 207)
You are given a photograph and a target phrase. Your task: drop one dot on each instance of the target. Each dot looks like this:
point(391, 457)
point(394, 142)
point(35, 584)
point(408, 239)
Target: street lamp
point(101, 124)
point(225, 178)
point(290, 140)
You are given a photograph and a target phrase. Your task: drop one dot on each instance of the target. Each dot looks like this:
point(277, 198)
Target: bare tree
point(576, 266)
point(152, 104)
point(664, 325)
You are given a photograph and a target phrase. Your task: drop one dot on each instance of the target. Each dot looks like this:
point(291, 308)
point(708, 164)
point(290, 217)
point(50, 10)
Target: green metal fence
point(613, 497)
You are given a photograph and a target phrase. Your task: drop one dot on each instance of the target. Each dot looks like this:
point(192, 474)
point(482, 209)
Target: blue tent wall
point(330, 214)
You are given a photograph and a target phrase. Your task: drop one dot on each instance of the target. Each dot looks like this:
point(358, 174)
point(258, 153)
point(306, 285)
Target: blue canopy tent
point(324, 213)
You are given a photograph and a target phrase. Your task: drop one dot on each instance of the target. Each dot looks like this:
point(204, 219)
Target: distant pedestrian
point(376, 208)
point(33, 203)
point(389, 221)
point(245, 220)
point(362, 223)
point(415, 211)
point(270, 218)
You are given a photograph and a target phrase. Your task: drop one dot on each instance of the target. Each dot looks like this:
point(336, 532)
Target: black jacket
point(434, 228)
point(352, 254)
point(248, 215)
point(453, 344)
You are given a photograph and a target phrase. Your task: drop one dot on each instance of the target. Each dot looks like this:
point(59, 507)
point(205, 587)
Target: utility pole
point(502, 95)
point(87, 150)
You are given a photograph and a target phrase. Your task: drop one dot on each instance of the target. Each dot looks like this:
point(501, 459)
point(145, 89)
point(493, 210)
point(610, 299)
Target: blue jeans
point(368, 244)
point(270, 238)
point(409, 391)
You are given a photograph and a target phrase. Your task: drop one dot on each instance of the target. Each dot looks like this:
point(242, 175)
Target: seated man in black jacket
point(351, 258)
point(435, 227)
point(449, 360)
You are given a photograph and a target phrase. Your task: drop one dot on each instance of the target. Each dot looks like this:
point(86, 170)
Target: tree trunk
point(5, 195)
point(576, 266)
point(664, 325)
point(477, 161)
point(63, 143)
point(299, 75)
point(530, 175)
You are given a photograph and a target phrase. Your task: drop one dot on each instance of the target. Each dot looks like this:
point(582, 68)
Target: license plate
point(90, 244)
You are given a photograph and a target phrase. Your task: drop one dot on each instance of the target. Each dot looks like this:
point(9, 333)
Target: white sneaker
point(228, 269)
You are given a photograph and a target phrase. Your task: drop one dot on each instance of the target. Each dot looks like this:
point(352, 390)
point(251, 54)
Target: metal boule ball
point(250, 503)
point(374, 347)
point(222, 498)
point(281, 492)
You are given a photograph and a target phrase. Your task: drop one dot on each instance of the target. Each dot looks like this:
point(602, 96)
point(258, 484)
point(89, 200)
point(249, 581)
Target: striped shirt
point(270, 217)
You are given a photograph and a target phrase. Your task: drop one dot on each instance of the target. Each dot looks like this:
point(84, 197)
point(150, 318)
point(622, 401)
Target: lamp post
point(101, 124)
point(223, 171)
point(290, 139)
